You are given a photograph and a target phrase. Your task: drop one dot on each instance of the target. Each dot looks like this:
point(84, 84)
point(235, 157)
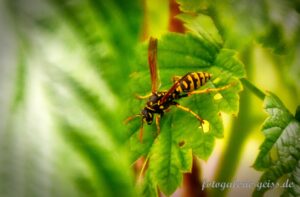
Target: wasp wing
point(172, 89)
point(152, 61)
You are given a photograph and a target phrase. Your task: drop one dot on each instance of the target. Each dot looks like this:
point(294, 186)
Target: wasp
point(160, 101)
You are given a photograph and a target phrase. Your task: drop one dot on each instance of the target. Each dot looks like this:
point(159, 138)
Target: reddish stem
point(175, 25)
point(192, 185)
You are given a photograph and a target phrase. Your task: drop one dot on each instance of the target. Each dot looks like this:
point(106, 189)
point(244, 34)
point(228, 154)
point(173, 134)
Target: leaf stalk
point(259, 93)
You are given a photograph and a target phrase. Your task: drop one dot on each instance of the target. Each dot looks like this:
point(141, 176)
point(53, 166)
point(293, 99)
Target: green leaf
point(270, 177)
point(228, 62)
point(136, 147)
point(148, 188)
point(274, 125)
point(169, 156)
point(230, 98)
point(293, 187)
point(208, 109)
point(280, 152)
point(203, 144)
point(170, 152)
point(202, 25)
point(167, 160)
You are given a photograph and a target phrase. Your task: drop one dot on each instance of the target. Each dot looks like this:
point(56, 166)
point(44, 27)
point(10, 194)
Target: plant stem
point(260, 94)
point(230, 159)
point(241, 129)
point(175, 25)
point(192, 182)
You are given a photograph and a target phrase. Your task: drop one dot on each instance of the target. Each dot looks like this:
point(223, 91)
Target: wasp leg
point(208, 90)
point(191, 112)
point(142, 125)
point(141, 132)
point(144, 166)
point(131, 118)
point(143, 97)
point(157, 121)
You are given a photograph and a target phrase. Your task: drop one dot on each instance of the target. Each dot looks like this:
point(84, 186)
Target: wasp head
point(147, 116)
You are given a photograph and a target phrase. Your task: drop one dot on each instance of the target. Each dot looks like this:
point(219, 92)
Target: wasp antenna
point(143, 97)
point(131, 118)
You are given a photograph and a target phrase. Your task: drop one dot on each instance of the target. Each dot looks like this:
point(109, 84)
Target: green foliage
point(107, 168)
point(170, 151)
point(240, 24)
point(82, 98)
point(20, 86)
point(82, 107)
point(98, 26)
point(279, 153)
point(109, 30)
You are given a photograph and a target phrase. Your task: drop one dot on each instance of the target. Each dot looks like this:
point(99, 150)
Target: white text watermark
point(246, 185)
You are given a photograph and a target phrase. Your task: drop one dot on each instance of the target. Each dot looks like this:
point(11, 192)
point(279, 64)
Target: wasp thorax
point(153, 98)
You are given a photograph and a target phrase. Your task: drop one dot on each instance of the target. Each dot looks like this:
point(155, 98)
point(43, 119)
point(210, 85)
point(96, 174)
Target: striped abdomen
point(192, 81)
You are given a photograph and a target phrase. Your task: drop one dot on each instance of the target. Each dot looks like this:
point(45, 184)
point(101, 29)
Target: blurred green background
point(64, 72)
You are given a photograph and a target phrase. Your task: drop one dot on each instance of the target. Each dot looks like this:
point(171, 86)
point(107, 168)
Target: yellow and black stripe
point(192, 81)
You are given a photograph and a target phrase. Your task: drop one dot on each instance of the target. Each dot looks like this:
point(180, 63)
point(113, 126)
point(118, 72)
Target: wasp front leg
point(131, 118)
